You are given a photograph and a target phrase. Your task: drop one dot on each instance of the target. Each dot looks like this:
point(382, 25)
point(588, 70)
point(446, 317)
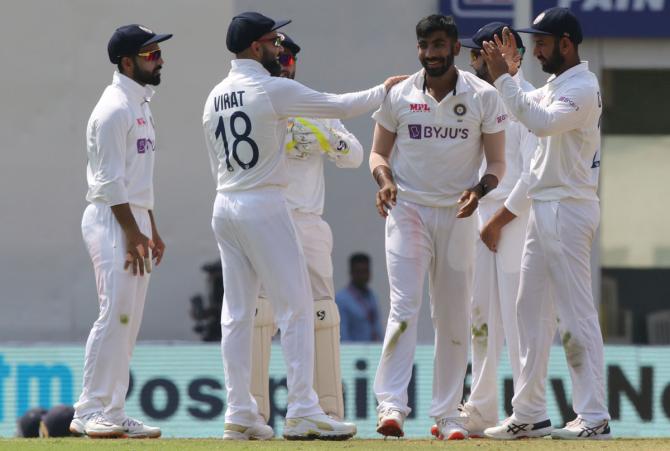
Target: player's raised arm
point(291, 98)
point(382, 146)
point(564, 113)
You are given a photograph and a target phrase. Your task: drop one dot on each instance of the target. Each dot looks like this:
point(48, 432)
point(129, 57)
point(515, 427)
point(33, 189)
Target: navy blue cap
point(247, 27)
point(56, 422)
point(557, 21)
point(129, 39)
point(290, 44)
point(487, 32)
point(28, 425)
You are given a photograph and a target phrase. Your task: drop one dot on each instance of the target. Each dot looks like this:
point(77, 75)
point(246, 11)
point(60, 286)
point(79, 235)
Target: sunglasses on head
point(153, 55)
point(286, 59)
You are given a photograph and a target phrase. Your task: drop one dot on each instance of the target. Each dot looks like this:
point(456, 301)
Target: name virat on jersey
point(228, 100)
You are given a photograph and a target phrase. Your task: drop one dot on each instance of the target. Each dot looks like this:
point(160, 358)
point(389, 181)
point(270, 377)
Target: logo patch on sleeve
point(569, 102)
point(144, 144)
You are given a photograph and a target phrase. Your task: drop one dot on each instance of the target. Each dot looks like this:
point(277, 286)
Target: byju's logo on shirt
point(418, 131)
point(143, 144)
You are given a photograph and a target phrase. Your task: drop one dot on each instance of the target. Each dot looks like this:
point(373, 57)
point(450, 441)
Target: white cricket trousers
point(316, 240)
point(555, 290)
point(496, 285)
point(121, 297)
point(258, 242)
point(422, 239)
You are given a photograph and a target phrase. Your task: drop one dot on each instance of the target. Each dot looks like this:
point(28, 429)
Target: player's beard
point(270, 63)
point(440, 70)
point(555, 61)
point(287, 74)
point(145, 77)
point(483, 72)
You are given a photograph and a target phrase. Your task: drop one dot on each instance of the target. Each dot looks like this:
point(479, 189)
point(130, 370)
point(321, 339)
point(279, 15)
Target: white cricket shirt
point(245, 120)
point(520, 145)
point(306, 183)
point(120, 143)
point(565, 115)
point(438, 148)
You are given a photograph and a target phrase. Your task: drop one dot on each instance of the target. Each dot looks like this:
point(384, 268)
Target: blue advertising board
point(180, 387)
point(471, 15)
point(616, 18)
point(599, 18)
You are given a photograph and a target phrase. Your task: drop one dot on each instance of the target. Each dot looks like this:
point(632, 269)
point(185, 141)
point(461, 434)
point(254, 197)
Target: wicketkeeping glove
point(306, 137)
point(309, 136)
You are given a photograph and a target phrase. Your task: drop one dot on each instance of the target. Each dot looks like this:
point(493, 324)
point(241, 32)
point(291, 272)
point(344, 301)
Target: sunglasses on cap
point(153, 55)
point(276, 40)
point(286, 59)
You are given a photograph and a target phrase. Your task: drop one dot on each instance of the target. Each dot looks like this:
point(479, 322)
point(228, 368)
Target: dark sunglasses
point(153, 55)
point(286, 59)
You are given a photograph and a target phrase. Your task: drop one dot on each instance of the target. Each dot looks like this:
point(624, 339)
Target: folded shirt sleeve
point(108, 162)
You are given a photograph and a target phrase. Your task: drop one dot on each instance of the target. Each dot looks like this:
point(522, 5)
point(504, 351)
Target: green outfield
point(72, 444)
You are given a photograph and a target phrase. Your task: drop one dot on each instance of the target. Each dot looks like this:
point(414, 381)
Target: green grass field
point(72, 444)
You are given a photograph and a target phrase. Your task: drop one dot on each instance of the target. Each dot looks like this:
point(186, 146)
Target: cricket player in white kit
point(427, 148)
point(502, 215)
point(245, 121)
point(309, 142)
point(555, 287)
point(119, 230)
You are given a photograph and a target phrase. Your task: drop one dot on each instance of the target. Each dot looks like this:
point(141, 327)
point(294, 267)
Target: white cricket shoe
point(449, 429)
point(473, 421)
point(257, 431)
point(512, 429)
point(319, 426)
point(136, 429)
point(78, 424)
point(390, 422)
point(98, 426)
point(580, 429)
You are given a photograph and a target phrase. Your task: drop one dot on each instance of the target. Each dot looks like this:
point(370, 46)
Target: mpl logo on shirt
point(418, 131)
point(419, 108)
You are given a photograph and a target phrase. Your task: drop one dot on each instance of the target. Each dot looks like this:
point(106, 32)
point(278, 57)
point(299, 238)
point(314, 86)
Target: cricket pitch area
point(77, 444)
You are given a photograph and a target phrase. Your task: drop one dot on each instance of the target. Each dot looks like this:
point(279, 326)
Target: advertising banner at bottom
point(180, 387)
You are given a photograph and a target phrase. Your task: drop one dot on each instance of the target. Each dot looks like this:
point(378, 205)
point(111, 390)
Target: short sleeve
point(494, 118)
point(386, 115)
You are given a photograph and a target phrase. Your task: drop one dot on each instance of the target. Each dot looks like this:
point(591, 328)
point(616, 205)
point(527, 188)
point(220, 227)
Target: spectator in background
point(359, 315)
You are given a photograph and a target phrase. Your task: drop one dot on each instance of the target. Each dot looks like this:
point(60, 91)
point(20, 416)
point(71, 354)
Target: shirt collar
point(579, 68)
point(461, 84)
point(363, 292)
point(132, 88)
point(248, 65)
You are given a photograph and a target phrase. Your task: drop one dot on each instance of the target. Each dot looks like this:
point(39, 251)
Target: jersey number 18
point(238, 138)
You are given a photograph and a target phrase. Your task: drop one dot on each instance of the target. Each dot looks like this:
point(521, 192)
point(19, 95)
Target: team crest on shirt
point(460, 109)
point(419, 108)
